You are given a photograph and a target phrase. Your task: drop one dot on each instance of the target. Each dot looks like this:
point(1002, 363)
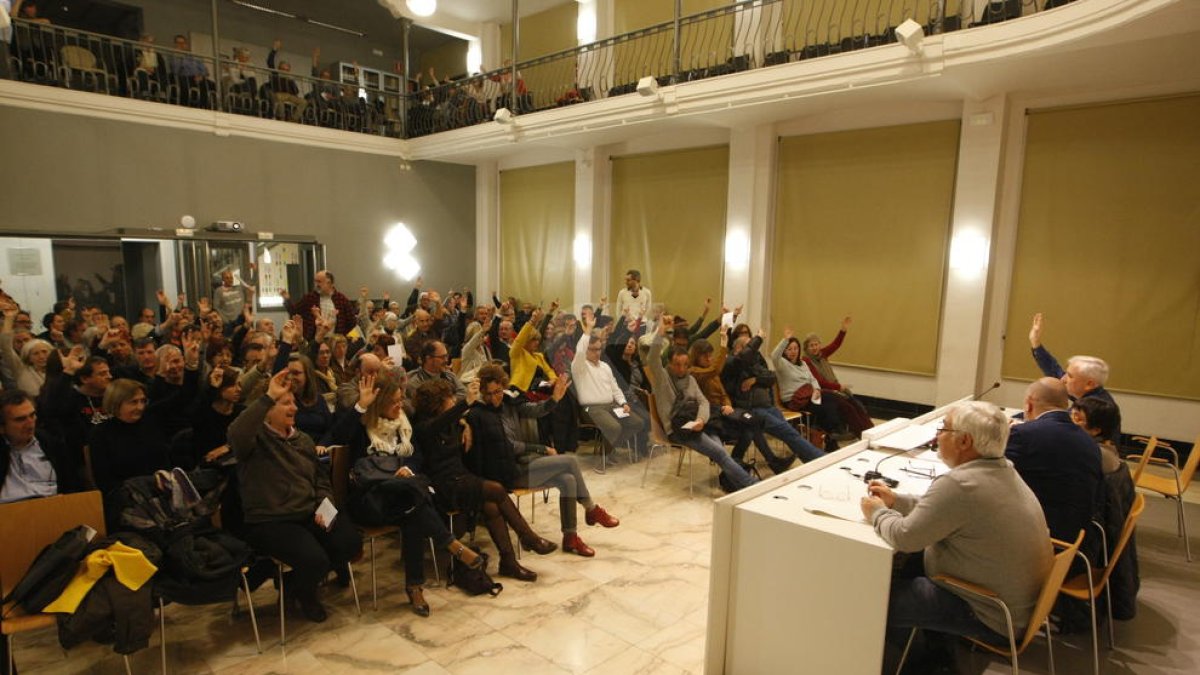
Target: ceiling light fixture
point(422, 7)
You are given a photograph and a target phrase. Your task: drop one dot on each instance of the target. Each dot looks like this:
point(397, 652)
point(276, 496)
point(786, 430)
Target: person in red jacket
point(817, 358)
point(328, 301)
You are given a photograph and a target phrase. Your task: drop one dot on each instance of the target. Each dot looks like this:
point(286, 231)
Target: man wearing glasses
point(435, 364)
point(980, 523)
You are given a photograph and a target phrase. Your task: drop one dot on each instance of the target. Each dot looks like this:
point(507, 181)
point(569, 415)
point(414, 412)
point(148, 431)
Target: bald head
point(1045, 395)
point(369, 364)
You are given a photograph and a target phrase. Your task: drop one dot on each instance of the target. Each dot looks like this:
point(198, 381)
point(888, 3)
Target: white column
point(489, 46)
point(487, 230)
point(590, 246)
point(748, 221)
point(961, 344)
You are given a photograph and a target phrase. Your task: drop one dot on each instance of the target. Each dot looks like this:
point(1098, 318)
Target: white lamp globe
point(422, 7)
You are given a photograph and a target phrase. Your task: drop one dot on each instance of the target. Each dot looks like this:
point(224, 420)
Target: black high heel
point(416, 598)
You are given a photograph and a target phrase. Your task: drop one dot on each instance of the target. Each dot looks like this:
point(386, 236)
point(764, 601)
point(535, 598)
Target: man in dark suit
point(1058, 460)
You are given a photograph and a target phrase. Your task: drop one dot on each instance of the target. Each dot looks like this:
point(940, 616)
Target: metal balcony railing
point(738, 37)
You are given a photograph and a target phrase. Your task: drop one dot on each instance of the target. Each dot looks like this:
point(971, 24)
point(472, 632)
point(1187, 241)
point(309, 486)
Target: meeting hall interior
point(223, 204)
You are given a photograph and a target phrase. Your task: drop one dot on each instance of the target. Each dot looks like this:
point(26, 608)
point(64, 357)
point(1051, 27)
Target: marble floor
point(639, 606)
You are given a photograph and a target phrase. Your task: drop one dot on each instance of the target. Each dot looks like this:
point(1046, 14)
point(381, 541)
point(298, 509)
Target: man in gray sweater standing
point(979, 523)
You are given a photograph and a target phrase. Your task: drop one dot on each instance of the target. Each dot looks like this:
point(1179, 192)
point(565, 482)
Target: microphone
point(985, 392)
point(875, 475)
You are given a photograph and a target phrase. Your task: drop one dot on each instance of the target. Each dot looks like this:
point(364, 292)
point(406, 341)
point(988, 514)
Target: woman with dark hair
point(439, 433)
point(799, 389)
point(1100, 418)
point(387, 483)
point(313, 416)
point(219, 406)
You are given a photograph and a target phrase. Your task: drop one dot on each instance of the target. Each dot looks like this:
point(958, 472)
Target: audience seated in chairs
point(438, 431)
point(817, 357)
point(799, 389)
point(502, 454)
point(681, 401)
point(388, 486)
point(132, 441)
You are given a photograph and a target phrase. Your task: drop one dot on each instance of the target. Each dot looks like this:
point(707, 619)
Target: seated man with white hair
point(1084, 376)
point(979, 522)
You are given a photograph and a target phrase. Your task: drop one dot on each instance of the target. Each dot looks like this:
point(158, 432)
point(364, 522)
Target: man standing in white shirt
point(634, 297)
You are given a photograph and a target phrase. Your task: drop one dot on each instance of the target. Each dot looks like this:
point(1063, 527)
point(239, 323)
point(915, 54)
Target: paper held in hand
point(328, 512)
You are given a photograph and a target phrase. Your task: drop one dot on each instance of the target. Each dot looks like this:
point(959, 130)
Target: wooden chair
point(1090, 585)
point(339, 469)
point(658, 439)
point(1040, 618)
point(1172, 488)
point(26, 527)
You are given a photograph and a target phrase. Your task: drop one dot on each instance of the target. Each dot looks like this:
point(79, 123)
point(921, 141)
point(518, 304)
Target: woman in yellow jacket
point(531, 373)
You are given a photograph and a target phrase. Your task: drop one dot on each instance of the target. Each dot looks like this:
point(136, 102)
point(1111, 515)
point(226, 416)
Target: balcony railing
point(740, 36)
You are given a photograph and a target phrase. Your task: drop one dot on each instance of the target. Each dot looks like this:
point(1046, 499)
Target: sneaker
point(597, 515)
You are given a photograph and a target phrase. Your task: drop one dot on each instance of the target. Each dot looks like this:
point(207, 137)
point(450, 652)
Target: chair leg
point(649, 459)
point(162, 633)
point(374, 585)
point(1049, 648)
point(1187, 544)
point(128, 670)
point(904, 654)
point(253, 618)
point(1095, 631)
point(282, 618)
point(1112, 640)
point(437, 574)
point(354, 588)
point(11, 665)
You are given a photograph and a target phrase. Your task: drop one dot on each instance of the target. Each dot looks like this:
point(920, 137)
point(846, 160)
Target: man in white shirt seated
point(32, 464)
point(600, 396)
point(979, 523)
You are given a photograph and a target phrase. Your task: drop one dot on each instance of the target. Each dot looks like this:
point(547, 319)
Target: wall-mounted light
point(737, 249)
point(503, 116)
point(585, 23)
point(422, 7)
point(968, 253)
point(399, 243)
point(581, 249)
point(648, 86)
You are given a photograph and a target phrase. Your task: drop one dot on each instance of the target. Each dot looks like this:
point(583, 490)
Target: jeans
point(920, 603)
point(779, 428)
point(712, 448)
point(562, 472)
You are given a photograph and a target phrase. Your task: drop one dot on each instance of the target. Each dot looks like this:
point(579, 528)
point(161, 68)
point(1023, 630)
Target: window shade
point(668, 221)
point(861, 228)
point(537, 224)
point(1108, 243)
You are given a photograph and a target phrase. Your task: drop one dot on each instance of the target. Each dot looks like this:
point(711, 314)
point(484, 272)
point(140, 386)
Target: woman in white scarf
point(387, 486)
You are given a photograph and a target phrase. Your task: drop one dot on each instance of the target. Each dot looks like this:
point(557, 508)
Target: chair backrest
point(657, 433)
point(339, 473)
point(1189, 467)
point(75, 56)
point(26, 527)
point(1140, 467)
point(1050, 589)
point(1135, 512)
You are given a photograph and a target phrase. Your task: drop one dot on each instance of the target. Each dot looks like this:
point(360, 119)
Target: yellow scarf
point(127, 563)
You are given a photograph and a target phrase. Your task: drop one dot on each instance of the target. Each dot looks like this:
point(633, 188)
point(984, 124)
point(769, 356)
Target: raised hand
point(366, 390)
point(204, 305)
point(278, 386)
point(214, 378)
point(846, 322)
point(788, 333)
point(560, 387)
point(73, 361)
point(363, 292)
point(162, 298)
point(472, 392)
point(1035, 331)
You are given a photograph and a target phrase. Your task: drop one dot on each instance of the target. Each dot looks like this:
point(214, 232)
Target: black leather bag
point(473, 580)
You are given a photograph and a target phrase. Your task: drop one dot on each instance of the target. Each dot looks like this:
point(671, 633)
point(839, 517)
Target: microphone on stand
point(985, 392)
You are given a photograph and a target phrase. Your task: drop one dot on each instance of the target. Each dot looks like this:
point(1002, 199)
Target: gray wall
point(77, 174)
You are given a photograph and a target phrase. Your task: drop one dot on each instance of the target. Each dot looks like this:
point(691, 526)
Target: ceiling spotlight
point(648, 86)
point(503, 116)
point(422, 7)
point(911, 35)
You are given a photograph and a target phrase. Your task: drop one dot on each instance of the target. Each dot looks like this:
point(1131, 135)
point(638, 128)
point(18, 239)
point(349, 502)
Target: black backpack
point(51, 571)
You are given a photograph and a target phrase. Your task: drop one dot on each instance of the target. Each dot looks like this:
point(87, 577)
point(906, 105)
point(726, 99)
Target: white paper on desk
point(620, 413)
point(909, 437)
point(328, 512)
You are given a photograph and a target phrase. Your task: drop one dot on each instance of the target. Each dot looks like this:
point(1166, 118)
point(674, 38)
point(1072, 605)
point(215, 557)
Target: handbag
point(374, 468)
point(473, 580)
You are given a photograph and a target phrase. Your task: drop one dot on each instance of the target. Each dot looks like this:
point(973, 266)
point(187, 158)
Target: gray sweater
point(665, 386)
point(982, 524)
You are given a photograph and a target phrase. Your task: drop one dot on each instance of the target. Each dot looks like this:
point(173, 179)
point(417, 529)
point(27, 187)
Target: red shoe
point(597, 514)
point(573, 544)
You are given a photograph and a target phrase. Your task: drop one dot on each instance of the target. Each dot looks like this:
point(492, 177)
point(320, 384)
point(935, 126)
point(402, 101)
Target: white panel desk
point(794, 590)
